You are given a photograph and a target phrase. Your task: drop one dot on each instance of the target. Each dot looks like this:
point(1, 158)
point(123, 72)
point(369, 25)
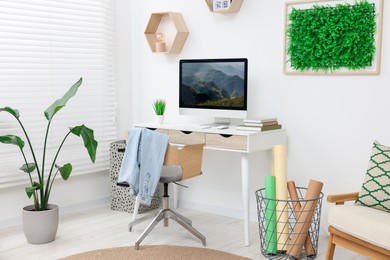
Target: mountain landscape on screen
point(212, 85)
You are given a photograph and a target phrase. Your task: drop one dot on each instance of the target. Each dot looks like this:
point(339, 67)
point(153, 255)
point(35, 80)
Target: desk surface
point(212, 130)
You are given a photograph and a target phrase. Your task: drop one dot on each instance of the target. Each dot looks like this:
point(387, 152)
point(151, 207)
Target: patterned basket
point(120, 198)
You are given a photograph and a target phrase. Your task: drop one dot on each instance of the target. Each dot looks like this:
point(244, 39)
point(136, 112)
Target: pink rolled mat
point(297, 208)
point(304, 218)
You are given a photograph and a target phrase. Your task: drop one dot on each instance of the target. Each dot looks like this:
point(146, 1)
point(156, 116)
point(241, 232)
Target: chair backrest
point(189, 157)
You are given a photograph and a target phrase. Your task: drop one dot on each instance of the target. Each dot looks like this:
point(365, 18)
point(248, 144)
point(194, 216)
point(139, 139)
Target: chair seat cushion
point(171, 174)
point(365, 223)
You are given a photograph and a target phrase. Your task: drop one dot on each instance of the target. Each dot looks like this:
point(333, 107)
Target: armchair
point(364, 230)
point(364, 227)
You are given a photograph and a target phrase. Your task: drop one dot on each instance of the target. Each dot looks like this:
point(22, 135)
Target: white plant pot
point(40, 227)
point(159, 119)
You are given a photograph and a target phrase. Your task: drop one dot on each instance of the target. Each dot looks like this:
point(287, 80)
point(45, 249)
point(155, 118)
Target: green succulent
point(159, 106)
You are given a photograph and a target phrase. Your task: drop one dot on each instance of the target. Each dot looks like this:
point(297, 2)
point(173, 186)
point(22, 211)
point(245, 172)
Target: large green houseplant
point(40, 189)
point(41, 184)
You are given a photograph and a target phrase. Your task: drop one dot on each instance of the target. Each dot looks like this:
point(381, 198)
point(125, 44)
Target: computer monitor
point(213, 88)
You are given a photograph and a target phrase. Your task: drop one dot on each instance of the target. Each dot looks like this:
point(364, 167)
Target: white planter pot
point(159, 119)
point(40, 227)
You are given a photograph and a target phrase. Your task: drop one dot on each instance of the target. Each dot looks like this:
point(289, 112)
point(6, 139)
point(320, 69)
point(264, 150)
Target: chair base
point(165, 214)
point(359, 246)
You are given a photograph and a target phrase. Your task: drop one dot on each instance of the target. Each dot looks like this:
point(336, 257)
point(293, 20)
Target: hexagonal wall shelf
point(180, 26)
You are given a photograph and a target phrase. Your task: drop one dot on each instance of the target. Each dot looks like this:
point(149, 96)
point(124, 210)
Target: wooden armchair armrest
point(341, 198)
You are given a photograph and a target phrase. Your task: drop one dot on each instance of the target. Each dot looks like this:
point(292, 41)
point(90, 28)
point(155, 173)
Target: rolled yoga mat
point(270, 215)
point(304, 218)
point(292, 190)
point(280, 171)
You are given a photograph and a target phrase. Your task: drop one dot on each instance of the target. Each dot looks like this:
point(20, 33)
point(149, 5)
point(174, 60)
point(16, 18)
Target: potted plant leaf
point(40, 220)
point(159, 108)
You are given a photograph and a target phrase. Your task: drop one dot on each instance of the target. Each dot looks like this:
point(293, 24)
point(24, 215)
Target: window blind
point(45, 47)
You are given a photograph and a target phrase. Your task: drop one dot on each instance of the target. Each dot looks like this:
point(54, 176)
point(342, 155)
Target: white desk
point(243, 142)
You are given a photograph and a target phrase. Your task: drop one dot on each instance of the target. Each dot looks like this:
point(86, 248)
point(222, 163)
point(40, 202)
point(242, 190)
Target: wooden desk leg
point(245, 194)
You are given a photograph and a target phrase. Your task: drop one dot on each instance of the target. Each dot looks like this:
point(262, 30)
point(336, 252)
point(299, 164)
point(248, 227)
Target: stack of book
point(260, 124)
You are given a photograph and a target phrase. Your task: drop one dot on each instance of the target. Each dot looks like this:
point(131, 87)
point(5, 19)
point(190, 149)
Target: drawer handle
point(186, 132)
point(151, 128)
point(225, 135)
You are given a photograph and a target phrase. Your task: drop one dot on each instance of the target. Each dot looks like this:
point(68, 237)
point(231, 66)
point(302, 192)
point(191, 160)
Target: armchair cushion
point(366, 223)
point(375, 191)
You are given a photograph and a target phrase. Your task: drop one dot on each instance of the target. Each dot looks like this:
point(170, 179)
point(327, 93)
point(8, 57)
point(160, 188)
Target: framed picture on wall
point(221, 5)
point(333, 36)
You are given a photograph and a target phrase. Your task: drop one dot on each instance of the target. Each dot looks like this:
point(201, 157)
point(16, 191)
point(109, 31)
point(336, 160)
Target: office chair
point(179, 164)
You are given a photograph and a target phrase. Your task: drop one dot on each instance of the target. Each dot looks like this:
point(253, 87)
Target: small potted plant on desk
point(40, 220)
point(159, 109)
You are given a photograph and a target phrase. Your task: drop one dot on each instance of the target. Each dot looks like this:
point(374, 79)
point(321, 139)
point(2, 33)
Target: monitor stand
point(218, 121)
point(222, 121)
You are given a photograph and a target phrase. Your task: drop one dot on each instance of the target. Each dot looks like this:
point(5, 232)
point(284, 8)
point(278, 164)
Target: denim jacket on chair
point(142, 162)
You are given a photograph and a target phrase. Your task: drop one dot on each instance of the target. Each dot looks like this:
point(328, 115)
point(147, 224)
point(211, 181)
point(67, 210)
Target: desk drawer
point(186, 137)
point(237, 142)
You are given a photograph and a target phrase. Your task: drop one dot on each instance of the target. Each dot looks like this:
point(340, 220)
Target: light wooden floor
point(104, 228)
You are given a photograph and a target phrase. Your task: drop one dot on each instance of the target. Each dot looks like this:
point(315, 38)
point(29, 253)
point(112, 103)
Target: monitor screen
point(213, 87)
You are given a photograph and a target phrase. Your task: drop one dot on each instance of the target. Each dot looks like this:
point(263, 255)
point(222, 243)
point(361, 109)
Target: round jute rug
point(154, 253)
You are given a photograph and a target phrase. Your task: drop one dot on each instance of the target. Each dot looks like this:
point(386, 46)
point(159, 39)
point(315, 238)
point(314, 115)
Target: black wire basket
point(290, 226)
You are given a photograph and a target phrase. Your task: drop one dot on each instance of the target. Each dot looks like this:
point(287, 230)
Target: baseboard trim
point(79, 207)
point(105, 201)
point(217, 210)
point(227, 212)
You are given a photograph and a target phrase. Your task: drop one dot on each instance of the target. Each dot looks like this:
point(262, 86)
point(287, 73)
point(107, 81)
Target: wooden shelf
point(235, 6)
point(180, 35)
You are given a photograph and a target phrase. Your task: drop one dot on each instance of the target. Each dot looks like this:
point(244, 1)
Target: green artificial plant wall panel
point(325, 38)
point(329, 38)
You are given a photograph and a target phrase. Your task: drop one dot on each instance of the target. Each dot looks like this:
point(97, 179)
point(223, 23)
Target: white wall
point(124, 62)
point(331, 121)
